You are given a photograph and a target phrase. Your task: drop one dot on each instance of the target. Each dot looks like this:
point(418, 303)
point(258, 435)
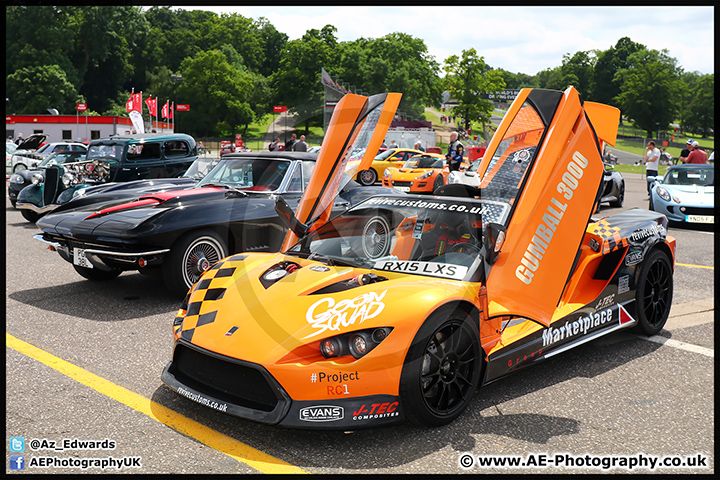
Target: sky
point(517, 39)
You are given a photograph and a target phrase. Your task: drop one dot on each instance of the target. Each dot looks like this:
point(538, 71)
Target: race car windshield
point(423, 161)
point(252, 174)
point(438, 237)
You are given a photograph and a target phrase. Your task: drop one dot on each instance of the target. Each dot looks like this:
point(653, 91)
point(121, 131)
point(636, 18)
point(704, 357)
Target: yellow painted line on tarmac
point(254, 458)
point(694, 266)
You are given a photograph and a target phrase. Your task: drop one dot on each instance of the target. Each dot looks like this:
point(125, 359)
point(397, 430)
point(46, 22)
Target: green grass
point(638, 169)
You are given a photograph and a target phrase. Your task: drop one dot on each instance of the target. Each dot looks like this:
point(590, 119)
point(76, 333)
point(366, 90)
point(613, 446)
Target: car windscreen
point(105, 151)
point(201, 167)
point(423, 161)
point(252, 174)
point(61, 157)
point(383, 155)
point(437, 237)
point(690, 176)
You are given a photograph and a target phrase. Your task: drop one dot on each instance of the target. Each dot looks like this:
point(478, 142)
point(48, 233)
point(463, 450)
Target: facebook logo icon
point(17, 462)
point(17, 444)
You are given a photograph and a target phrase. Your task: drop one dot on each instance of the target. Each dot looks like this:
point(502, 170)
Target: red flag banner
point(279, 108)
point(134, 102)
point(152, 106)
point(172, 111)
point(180, 107)
point(166, 110)
point(81, 107)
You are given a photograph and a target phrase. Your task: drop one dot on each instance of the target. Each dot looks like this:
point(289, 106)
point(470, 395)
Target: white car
point(9, 150)
point(25, 159)
point(466, 177)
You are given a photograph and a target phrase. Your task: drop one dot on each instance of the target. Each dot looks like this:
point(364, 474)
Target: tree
point(218, 92)
point(297, 79)
point(577, 70)
point(651, 89)
point(467, 79)
point(699, 116)
point(605, 86)
point(35, 89)
point(396, 62)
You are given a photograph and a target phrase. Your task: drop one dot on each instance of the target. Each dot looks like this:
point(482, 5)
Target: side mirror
point(657, 179)
point(494, 240)
point(287, 216)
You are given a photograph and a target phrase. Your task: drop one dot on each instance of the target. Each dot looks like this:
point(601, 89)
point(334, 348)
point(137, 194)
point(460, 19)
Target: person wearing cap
point(652, 159)
point(697, 155)
point(418, 146)
point(686, 151)
point(19, 139)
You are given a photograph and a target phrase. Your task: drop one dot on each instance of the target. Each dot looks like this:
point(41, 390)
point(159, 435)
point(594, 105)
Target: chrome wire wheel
point(376, 238)
point(367, 177)
point(199, 256)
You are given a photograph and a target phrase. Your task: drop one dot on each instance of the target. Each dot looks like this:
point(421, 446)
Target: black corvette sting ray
point(181, 233)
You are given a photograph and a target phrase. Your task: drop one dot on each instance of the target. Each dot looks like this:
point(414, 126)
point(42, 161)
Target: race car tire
point(96, 274)
point(442, 368)
point(31, 216)
point(654, 293)
point(621, 197)
point(189, 257)
point(376, 237)
point(439, 182)
point(367, 177)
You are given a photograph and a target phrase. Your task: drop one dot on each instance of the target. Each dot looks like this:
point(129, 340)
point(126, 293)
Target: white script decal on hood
point(343, 313)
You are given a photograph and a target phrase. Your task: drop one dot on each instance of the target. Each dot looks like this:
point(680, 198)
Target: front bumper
point(247, 390)
point(104, 259)
point(684, 212)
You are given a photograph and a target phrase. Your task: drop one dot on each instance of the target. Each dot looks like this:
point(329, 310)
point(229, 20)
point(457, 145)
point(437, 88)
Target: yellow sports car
point(392, 157)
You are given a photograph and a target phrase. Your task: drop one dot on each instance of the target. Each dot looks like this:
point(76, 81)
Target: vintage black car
point(181, 233)
point(114, 159)
point(23, 178)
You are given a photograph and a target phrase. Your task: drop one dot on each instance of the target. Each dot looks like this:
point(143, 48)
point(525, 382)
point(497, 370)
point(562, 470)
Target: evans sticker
point(433, 269)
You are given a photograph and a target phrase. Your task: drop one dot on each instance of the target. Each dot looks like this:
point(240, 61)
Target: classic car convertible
point(180, 230)
point(402, 306)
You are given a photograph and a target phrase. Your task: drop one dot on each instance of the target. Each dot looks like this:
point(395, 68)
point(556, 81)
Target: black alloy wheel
point(442, 368)
point(654, 293)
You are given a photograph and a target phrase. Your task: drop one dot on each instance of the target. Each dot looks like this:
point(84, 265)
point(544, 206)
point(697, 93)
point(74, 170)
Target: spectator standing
point(711, 158)
point(19, 139)
point(274, 145)
point(697, 155)
point(652, 159)
point(665, 158)
point(418, 146)
point(383, 145)
point(455, 153)
point(394, 144)
point(289, 144)
point(300, 145)
point(686, 151)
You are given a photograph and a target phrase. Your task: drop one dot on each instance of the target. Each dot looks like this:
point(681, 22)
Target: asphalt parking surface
point(83, 361)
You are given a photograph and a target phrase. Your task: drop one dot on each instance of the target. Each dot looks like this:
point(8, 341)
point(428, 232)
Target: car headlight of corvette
point(453, 179)
point(15, 178)
point(358, 344)
point(387, 174)
point(424, 175)
point(37, 179)
point(78, 193)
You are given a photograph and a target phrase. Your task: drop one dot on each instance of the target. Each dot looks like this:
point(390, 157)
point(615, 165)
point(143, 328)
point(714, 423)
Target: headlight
point(425, 175)
point(68, 179)
point(37, 179)
point(358, 344)
point(453, 179)
point(387, 173)
point(662, 193)
point(15, 178)
point(78, 193)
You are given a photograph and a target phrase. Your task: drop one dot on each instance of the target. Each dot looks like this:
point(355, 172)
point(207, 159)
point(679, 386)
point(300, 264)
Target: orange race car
point(392, 157)
point(420, 174)
point(402, 306)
